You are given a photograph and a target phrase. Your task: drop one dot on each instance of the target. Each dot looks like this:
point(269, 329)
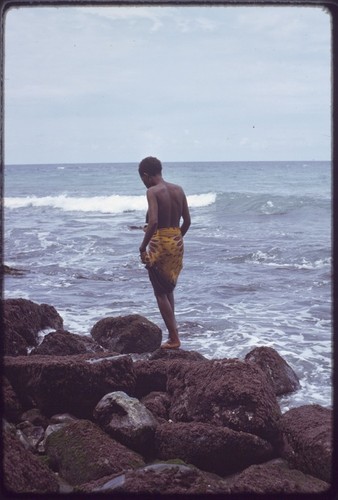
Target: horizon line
point(163, 162)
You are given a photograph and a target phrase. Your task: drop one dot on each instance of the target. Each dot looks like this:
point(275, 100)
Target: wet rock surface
point(12, 270)
point(308, 440)
point(279, 373)
point(127, 334)
point(64, 343)
point(162, 422)
point(74, 384)
point(23, 320)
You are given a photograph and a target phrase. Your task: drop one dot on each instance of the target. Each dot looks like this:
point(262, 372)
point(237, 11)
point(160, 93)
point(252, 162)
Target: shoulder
point(174, 187)
point(151, 192)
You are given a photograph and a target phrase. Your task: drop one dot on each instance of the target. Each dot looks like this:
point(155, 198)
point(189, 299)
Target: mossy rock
point(82, 452)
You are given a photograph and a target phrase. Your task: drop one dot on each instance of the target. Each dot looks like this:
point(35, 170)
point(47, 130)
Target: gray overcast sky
point(115, 84)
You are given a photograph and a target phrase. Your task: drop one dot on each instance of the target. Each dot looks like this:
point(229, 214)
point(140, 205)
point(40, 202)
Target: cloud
point(131, 15)
point(177, 18)
point(190, 82)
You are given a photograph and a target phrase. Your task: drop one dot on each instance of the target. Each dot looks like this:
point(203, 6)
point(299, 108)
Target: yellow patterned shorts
point(164, 259)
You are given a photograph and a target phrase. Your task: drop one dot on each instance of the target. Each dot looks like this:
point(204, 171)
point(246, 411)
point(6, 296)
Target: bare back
point(167, 203)
point(170, 201)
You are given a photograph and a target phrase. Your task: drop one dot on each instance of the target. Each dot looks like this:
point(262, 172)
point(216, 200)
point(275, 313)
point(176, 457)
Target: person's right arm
point(185, 216)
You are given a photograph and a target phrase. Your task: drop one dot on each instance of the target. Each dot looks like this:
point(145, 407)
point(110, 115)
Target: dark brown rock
point(170, 354)
point(150, 376)
point(12, 271)
point(82, 452)
point(127, 334)
point(274, 478)
point(127, 420)
point(282, 377)
point(64, 343)
point(23, 472)
point(49, 317)
point(228, 393)
point(68, 384)
point(30, 435)
point(12, 407)
point(35, 417)
point(159, 479)
point(50, 429)
point(62, 418)
point(220, 450)
point(14, 344)
point(23, 319)
point(308, 438)
point(158, 403)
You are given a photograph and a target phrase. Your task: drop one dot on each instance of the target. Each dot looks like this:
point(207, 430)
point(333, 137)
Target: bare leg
point(165, 304)
point(172, 303)
point(171, 300)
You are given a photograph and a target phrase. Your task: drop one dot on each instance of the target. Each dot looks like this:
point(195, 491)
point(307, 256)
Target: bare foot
point(171, 344)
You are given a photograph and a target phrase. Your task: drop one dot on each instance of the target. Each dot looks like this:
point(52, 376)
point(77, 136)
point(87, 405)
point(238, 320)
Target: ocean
point(257, 262)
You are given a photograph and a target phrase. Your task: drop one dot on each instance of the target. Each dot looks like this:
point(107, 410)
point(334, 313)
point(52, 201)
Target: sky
point(208, 83)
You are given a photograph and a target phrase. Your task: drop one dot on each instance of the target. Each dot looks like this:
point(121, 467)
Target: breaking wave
point(113, 204)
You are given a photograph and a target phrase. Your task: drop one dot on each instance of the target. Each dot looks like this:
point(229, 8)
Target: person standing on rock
point(162, 247)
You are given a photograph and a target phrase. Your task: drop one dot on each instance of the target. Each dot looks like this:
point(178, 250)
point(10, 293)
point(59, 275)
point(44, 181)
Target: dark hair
point(150, 166)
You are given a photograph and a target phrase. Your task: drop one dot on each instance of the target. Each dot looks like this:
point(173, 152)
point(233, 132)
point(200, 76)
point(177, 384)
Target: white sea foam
point(104, 204)
point(201, 200)
point(305, 264)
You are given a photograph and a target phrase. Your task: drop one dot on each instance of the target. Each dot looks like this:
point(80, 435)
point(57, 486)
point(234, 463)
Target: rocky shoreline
point(111, 412)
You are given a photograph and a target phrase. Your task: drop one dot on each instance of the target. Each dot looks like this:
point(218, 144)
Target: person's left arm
point(152, 221)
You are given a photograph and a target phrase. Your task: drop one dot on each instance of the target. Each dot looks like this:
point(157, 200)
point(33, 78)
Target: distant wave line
point(104, 204)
